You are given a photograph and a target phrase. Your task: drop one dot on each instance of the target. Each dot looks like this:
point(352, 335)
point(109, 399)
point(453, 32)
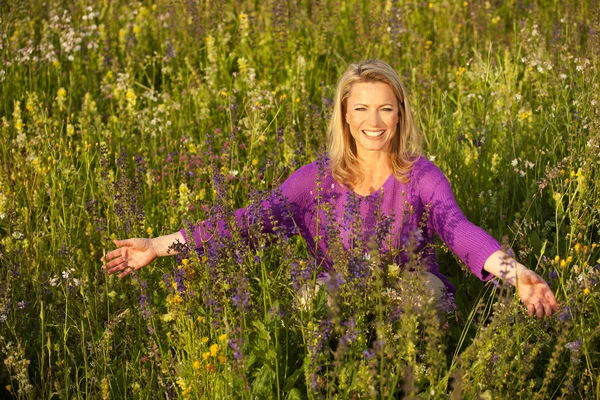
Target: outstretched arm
point(135, 253)
point(532, 288)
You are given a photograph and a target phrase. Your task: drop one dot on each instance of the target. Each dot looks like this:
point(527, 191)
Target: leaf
point(291, 381)
point(294, 394)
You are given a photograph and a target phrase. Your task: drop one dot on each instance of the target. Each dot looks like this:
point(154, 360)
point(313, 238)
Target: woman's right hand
point(131, 255)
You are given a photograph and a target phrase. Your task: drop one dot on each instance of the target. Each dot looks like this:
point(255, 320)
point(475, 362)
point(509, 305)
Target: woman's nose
point(374, 118)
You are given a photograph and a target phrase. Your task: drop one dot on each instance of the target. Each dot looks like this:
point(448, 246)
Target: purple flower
point(565, 315)
point(369, 354)
point(552, 275)
point(574, 346)
point(447, 302)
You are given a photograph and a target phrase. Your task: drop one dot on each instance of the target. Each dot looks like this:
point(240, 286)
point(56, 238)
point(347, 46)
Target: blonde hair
point(406, 143)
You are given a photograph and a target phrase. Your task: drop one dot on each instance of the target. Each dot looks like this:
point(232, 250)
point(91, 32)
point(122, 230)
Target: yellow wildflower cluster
point(563, 262)
point(214, 352)
point(526, 115)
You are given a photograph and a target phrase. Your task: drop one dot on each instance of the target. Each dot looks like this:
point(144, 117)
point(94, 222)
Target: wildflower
point(61, 96)
point(205, 355)
point(223, 338)
point(131, 98)
point(222, 359)
point(214, 349)
point(577, 247)
point(586, 291)
point(196, 365)
point(204, 340)
point(574, 346)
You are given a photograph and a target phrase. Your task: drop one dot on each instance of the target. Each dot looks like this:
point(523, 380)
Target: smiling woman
point(374, 168)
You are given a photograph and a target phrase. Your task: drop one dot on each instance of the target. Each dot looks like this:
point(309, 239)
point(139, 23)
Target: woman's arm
point(282, 208)
point(135, 253)
point(532, 288)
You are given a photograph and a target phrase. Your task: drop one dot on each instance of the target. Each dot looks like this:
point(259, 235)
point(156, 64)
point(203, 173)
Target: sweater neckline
point(375, 193)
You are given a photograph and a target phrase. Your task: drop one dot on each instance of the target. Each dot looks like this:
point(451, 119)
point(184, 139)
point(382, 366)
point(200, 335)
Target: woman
point(374, 165)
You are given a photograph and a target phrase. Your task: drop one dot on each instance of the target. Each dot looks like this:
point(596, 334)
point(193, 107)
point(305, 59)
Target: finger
point(547, 308)
point(121, 243)
point(118, 268)
point(552, 301)
point(127, 271)
point(112, 254)
point(530, 309)
point(115, 262)
point(539, 310)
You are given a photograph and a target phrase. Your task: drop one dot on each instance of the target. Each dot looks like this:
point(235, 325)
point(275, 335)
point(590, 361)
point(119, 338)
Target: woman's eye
point(387, 109)
point(359, 109)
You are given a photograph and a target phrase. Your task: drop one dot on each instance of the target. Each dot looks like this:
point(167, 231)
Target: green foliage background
point(115, 116)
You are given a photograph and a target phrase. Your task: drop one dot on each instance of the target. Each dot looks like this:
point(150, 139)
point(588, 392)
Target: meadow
point(138, 118)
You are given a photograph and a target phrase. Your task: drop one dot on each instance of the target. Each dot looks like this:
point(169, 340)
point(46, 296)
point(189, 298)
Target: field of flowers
point(137, 118)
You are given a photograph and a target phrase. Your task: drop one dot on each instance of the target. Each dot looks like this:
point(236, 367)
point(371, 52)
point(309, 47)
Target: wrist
point(154, 245)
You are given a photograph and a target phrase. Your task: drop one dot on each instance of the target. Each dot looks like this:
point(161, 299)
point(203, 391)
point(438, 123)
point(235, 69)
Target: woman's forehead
point(371, 92)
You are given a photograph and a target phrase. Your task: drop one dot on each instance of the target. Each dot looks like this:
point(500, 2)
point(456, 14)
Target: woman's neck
point(376, 169)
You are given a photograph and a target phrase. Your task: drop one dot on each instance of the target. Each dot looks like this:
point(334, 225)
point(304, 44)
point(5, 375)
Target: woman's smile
point(372, 116)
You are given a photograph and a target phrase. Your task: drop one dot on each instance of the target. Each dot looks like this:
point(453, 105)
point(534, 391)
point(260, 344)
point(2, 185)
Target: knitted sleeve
point(280, 211)
point(469, 242)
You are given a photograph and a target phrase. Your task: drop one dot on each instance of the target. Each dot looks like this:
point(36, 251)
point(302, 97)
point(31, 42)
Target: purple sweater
point(393, 214)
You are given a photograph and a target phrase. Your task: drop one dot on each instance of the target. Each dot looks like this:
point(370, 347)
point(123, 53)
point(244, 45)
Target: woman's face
point(372, 114)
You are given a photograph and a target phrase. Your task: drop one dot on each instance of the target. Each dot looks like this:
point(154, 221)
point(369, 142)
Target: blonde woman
point(374, 163)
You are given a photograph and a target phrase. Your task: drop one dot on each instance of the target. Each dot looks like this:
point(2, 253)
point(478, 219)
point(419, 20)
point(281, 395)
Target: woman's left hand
point(535, 293)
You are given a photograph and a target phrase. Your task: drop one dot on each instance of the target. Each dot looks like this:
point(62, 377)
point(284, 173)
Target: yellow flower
point(149, 231)
point(223, 337)
point(204, 340)
point(185, 261)
point(206, 355)
point(214, 349)
point(577, 248)
point(557, 259)
point(222, 359)
point(196, 365)
point(130, 97)
point(563, 263)
point(586, 291)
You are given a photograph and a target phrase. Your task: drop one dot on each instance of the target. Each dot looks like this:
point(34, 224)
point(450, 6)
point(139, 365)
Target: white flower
point(563, 76)
point(65, 275)
point(529, 165)
point(515, 162)
point(53, 281)
point(3, 318)
point(517, 97)
point(76, 281)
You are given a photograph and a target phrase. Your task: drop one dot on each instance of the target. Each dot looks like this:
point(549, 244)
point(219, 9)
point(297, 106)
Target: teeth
point(373, 133)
